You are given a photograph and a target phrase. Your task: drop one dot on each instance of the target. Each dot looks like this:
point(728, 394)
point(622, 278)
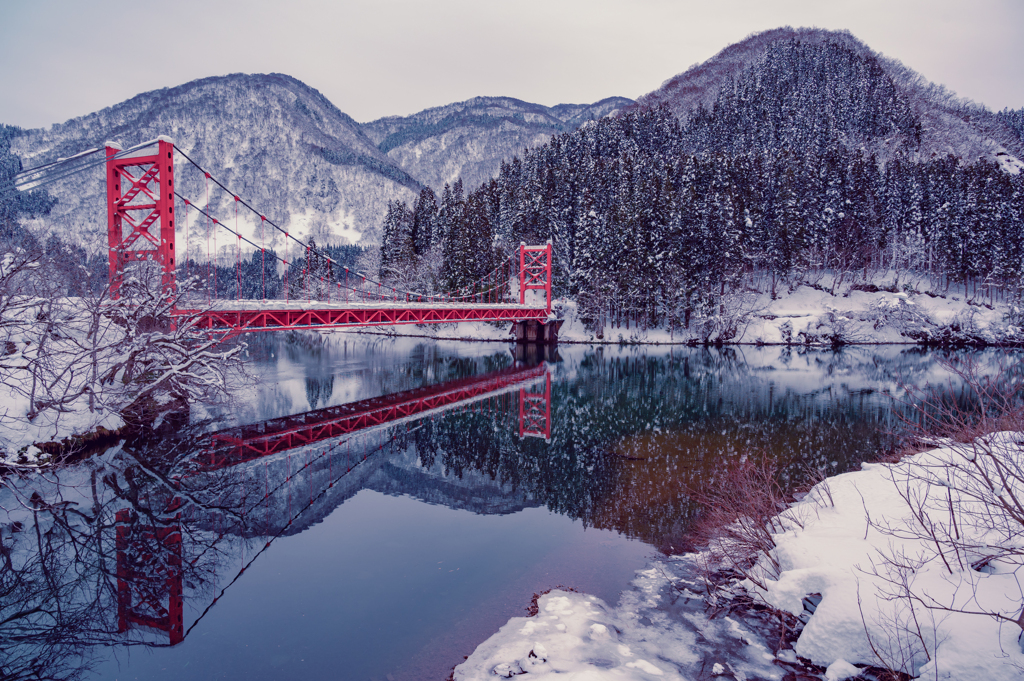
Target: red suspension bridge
point(143, 226)
point(143, 210)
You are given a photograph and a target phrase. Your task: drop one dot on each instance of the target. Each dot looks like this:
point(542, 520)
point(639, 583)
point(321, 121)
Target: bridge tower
point(140, 211)
point(535, 275)
point(535, 271)
point(535, 412)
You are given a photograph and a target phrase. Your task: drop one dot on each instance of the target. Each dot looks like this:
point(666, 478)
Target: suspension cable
point(468, 289)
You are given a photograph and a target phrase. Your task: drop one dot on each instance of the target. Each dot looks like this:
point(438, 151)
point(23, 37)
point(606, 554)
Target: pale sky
point(62, 58)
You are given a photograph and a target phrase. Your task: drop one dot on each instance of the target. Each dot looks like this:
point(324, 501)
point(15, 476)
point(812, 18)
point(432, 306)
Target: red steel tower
point(140, 211)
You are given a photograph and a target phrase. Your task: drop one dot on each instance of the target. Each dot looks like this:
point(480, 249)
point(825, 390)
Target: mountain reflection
point(135, 546)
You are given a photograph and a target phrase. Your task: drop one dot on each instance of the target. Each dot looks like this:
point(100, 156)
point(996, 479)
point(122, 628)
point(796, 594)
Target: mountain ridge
point(434, 144)
point(283, 144)
point(950, 124)
point(272, 139)
point(300, 158)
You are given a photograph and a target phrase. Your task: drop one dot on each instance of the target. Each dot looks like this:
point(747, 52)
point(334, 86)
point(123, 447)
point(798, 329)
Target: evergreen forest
point(806, 169)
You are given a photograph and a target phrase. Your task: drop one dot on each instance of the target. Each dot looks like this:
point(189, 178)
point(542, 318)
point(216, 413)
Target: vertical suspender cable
point(263, 257)
point(215, 259)
point(238, 256)
point(209, 218)
point(187, 204)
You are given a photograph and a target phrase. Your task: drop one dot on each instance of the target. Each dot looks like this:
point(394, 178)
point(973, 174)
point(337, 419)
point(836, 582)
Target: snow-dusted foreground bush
point(71, 365)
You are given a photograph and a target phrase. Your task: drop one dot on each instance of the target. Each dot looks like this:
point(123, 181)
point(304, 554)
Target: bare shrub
point(816, 487)
point(65, 357)
point(912, 631)
point(966, 498)
point(742, 509)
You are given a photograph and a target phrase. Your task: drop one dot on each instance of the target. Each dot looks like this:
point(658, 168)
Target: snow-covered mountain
point(816, 79)
point(275, 141)
point(470, 139)
point(285, 148)
point(314, 170)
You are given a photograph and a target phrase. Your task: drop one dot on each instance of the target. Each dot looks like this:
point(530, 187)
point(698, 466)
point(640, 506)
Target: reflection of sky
point(395, 57)
point(387, 585)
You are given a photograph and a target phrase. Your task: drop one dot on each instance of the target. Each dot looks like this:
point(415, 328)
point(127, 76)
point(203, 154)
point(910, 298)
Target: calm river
point(374, 508)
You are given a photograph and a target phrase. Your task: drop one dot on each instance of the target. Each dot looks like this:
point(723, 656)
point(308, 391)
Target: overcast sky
point(61, 59)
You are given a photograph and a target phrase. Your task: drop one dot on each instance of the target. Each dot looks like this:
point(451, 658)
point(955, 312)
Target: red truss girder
point(238, 445)
point(240, 321)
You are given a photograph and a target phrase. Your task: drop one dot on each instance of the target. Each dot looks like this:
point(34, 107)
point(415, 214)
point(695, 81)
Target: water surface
point(378, 507)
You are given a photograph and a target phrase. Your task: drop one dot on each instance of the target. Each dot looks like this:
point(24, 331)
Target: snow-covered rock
point(579, 636)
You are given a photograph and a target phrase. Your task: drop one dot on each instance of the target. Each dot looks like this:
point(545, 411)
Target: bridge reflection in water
point(262, 483)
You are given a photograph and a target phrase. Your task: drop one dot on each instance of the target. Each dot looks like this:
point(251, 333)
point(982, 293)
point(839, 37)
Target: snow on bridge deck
point(240, 316)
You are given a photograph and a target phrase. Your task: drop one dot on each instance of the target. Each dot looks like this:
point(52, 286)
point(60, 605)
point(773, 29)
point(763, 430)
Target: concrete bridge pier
point(533, 331)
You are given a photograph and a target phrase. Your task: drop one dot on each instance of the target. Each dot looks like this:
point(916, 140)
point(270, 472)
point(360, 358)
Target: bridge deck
point(239, 444)
point(234, 316)
point(247, 305)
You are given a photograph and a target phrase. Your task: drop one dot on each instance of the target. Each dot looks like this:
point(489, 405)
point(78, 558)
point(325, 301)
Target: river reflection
point(406, 498)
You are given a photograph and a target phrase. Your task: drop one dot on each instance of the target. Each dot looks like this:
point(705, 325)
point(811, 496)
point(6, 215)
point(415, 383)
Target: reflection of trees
point(319, 390)
point(381, 365)
point(41, 634)
point(92, 552)
point(631, 434)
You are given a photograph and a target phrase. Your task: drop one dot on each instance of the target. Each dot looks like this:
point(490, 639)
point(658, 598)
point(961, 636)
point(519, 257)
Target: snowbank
point(851, 564)
point(485, 331)
point(18, 435)
point(655, 632)
point(883, 584)
point(805, 316)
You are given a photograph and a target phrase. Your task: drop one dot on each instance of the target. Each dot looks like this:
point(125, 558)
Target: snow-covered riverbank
point(918, 564)
point(806, 315)
point(913, 566)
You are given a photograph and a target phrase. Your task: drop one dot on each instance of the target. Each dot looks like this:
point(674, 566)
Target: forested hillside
point(807, 166)
point(794, 83)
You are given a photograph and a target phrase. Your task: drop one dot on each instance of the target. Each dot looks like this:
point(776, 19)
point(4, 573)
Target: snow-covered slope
point(943, 123)
point(470, 139)
point(284, 147)
point(277, 142)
